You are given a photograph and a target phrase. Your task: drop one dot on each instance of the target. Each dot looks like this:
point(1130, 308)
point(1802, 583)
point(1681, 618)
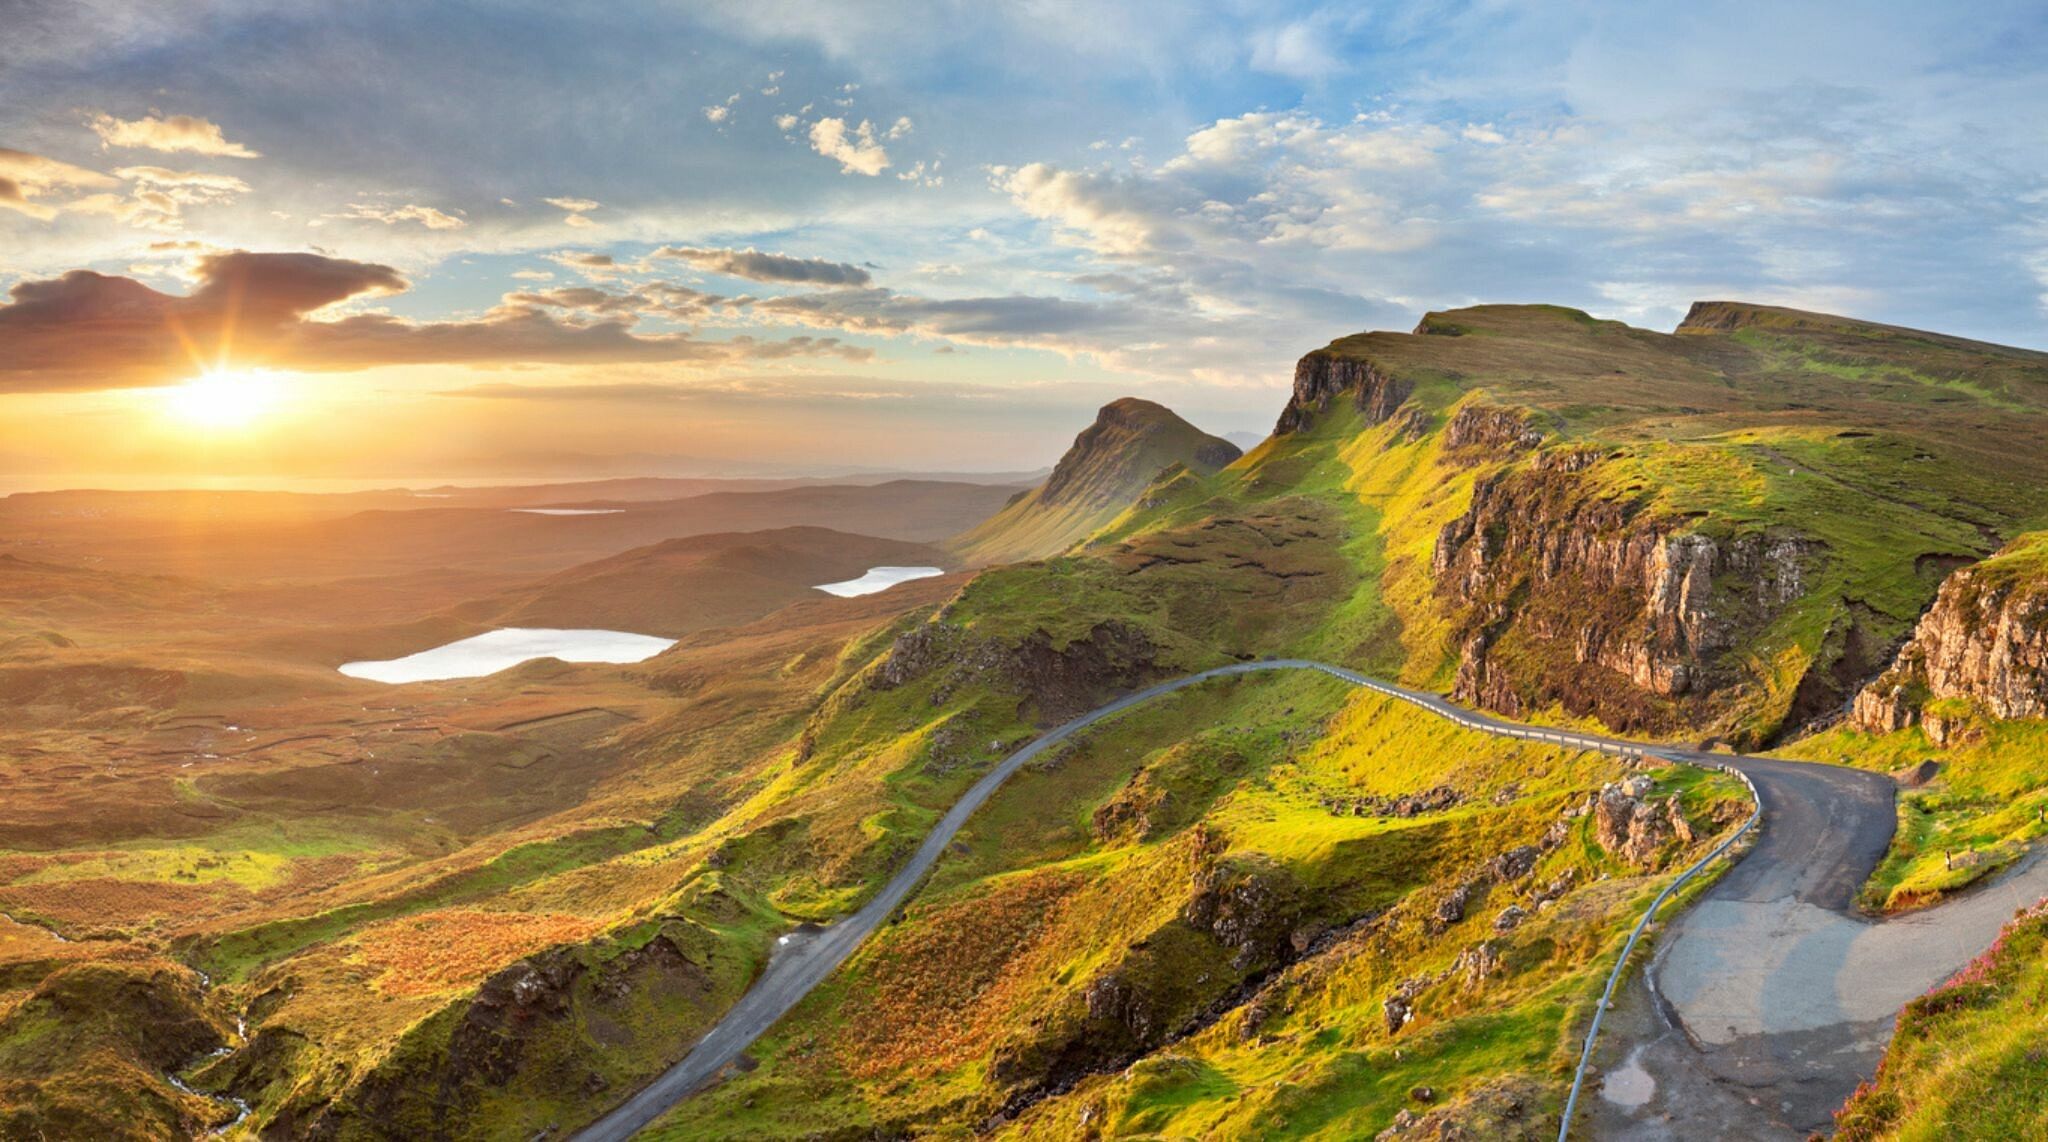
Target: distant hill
point(1131, 444)
point(388, 541)
point(682, 586)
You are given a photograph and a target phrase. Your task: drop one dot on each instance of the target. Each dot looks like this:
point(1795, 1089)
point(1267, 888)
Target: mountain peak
point(1131, 441)
point(1111, 462)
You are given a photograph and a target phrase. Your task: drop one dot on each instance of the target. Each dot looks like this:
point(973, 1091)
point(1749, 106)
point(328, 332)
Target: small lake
point(567, 511)
point(878, 579)
point(497, 650)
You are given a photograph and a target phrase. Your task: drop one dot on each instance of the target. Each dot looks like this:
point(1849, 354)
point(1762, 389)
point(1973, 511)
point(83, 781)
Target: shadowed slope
point(1111, 463)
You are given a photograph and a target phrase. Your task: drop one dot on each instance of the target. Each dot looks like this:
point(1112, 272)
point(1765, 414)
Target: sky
point(506, 239)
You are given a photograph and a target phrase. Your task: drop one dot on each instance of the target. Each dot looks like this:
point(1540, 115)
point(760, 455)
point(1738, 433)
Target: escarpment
point(1982, 646)
point(1322, 376)
point(1561, 589)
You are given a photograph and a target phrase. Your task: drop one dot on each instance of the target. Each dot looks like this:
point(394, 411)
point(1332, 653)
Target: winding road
point(1768, 1000)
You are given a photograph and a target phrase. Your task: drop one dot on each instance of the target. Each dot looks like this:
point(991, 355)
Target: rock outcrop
point(1054, 682)
point(1492, 429)
point(1630, 824)
point(1982, 646)
point(1583, 586)
point(1323, 376)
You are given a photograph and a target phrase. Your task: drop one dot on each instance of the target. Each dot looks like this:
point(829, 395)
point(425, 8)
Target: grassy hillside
point(494, 907)
point(1132, 443)
point(1966, 1060)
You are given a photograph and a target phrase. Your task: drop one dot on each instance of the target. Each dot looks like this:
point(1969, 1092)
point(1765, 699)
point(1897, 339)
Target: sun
point(223, 398)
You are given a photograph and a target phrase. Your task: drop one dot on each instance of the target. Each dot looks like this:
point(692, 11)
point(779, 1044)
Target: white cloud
point(857, 152)
point(426, 216)
point(923, 174)
point(157, 196)
point(1299, 50)
point(785, 122)
point(578, 208)
point(717, 112)
point(25, 177)
point(159, 132)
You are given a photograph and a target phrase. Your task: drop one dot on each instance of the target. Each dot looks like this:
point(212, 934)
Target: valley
point(1310, 791)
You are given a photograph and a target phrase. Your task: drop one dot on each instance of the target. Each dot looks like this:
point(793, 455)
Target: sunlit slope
point(1719, 533)
point(1131, 442)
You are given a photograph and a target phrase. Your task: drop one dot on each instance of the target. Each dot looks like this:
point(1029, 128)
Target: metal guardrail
point(1582, 741)
point(625, 1120)
point(1571, 1102)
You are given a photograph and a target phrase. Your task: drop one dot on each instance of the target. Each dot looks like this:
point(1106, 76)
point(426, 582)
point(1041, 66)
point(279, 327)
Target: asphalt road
point(1772, 997)
point(1825, 829)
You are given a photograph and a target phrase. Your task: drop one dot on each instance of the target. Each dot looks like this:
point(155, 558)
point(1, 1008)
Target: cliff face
point(1559, 588)
point(1322, 376)
point(1982, 645)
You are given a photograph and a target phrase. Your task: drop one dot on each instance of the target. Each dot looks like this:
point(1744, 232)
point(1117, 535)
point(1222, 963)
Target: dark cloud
point(756, 266)
point(87, 330)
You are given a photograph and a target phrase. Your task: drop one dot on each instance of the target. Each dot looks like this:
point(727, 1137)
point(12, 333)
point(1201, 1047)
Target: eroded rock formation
point(1322, 376)
point(1983, 645)
point(1577, 586)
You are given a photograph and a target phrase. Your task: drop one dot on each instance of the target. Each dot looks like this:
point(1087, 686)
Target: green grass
point(1967, 1060)
point(234, 955)
point(1114, 906)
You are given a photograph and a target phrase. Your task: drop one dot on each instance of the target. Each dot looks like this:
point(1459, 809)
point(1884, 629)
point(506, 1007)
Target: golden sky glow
point(224, 399)
point(483, 240)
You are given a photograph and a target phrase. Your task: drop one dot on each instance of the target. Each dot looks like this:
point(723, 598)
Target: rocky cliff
point(1983, 645)
point(1322, 376)
point(1563, 591)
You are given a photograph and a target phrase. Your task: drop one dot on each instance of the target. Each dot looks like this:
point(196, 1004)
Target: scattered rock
point(1636, 829)
point(1478, 963)
point(1514, 864)
point(1914, 776)
point(1450, 909)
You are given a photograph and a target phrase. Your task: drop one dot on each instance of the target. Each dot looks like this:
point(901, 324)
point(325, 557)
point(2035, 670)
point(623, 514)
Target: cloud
point(1299, 50)
point(578, 208)
point(25, 177)
point(858, 152)
point(1060, 324)
point(647, 299)
point(14, 197)
point(160, 132)
point(757, 266)
point(87, 330)
point(426, 216)
point(157, 196)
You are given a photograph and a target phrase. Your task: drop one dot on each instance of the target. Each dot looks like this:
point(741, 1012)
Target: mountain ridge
point(1132, 443)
